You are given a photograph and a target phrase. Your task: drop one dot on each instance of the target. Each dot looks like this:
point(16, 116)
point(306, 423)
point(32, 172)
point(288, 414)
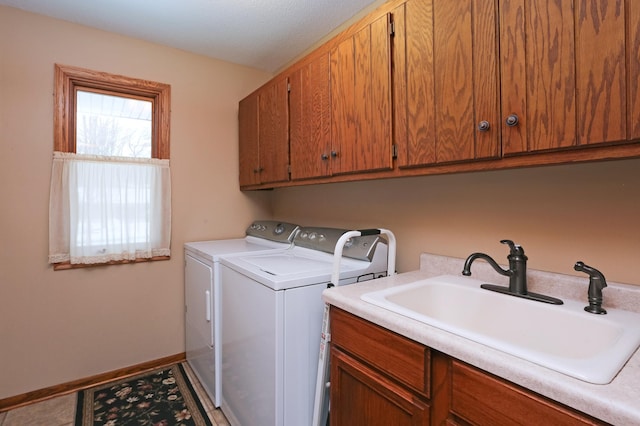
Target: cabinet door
point(362, 397)
point(248, 141)
point(309, 109)
point(361, 100)
point(482, 399)
point(446, 81)
point(563, 73)
point(633, 51)
point(273, 132)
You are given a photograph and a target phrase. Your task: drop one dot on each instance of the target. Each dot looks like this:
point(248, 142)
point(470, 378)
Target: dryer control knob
point(279, 229)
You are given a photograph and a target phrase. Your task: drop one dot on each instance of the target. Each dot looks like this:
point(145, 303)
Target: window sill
point(63, 266)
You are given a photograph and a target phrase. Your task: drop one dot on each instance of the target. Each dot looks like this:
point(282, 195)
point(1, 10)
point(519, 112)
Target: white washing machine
point(272, 320)
point(202, 294)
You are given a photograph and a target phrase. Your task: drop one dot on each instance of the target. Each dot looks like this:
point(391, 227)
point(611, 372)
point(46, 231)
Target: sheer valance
point(104, 209)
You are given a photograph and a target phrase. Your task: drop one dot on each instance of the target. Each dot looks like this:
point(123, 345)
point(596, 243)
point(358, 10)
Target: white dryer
point(202, 294)
point(271, 323)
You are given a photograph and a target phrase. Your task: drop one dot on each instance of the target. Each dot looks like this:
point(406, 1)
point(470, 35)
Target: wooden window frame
point(68, 80)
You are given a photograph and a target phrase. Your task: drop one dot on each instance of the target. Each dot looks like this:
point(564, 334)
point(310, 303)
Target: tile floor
point(61, 411)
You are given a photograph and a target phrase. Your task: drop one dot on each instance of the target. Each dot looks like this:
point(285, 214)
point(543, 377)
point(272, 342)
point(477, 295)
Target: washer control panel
point(325, 239)
point(273, 230)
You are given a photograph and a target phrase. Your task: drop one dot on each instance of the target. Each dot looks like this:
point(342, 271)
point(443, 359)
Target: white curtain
point(105, 209)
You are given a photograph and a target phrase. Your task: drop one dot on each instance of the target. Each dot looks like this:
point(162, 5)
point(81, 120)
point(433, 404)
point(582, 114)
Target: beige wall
point(559, 214)
point(60, 326)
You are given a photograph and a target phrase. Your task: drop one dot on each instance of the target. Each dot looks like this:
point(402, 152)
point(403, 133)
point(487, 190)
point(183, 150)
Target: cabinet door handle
point(484, 126)
point(512, 120)
point(324, 156)
point(334, 154)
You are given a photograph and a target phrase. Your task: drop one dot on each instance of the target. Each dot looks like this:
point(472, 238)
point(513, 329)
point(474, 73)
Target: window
point(110, 198)
point(113, 125)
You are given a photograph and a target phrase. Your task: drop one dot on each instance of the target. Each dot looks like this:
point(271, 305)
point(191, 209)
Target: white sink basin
point(563, 338)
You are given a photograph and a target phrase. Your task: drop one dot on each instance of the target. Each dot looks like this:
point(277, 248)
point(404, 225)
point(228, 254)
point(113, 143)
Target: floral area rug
point(162, 397)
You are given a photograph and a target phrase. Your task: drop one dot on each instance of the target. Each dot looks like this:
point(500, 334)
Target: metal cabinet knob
point(512, 120)
point(334, 154)
point(324, 157)
point(483, 126)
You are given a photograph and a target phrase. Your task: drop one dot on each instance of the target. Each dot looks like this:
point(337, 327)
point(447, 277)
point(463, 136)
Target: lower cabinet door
point(360, 396)
point(482, 399)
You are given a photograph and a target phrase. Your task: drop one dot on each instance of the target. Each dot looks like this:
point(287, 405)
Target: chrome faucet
point(596, 283)
point(517, 274)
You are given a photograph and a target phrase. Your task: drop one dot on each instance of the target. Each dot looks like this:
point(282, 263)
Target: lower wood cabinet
point(363, 396)
point(380, 378)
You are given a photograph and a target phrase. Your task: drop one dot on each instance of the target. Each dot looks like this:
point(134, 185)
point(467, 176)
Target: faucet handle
point(513, 247)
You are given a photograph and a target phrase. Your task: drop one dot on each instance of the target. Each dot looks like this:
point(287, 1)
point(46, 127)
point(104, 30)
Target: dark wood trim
point(64, 266)
point(12, 402)
point(624, 151)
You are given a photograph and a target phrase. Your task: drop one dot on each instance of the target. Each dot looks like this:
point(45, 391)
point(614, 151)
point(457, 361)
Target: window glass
point(113, 125)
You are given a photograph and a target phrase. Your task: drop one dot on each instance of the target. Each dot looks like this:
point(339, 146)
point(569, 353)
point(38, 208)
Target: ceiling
point(263, 34)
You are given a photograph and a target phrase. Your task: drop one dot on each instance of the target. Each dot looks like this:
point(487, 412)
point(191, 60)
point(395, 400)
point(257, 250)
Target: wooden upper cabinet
point(273, 131)
point(248, 141)
point(361, 114)
point(446, 81)
point(451, 83)
point(263, 132)
point(310, 114)
point(564, 73)
point(633, 52)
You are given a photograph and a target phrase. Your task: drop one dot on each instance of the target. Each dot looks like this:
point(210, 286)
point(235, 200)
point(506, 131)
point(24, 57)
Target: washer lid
point(296, 267)
point(212, 250)
point(286, 264)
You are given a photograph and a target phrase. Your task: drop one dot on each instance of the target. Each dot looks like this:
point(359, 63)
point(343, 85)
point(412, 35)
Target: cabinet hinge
point(394, 151)
point(288, 87)
point(392, 28)
point(289, 168)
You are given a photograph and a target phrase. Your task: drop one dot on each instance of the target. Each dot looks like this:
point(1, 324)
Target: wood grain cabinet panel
point(481, 399)
point(377, 376)
point(273, 125)
point(446, 81)
point(310, 114)
point(248, 141)
point(633, 85)
point(263, 133)
point(564, 73)
point(361, 396)
point(361, 100)
point(400, 358)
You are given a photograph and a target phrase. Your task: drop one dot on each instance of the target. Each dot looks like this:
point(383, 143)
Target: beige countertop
point(617, 402)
